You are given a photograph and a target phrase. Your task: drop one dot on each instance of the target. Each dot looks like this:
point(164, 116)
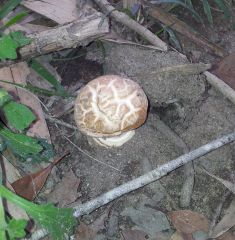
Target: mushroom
point(109, 108)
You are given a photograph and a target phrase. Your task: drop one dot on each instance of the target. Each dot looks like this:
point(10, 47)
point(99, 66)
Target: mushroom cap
point(110, 105)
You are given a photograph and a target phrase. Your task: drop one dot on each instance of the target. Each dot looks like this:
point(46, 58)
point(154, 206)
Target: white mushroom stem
point(116, 141)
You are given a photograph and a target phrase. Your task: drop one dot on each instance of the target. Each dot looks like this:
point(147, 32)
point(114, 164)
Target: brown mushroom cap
point(110, 105)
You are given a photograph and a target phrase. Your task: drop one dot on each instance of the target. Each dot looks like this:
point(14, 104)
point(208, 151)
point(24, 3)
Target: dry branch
point(70, 35)
point(151, 176)
point(77, 33)
point(130, 23)
point(182, 28)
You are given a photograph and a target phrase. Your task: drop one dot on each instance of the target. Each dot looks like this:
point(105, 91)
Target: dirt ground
point(187, 105)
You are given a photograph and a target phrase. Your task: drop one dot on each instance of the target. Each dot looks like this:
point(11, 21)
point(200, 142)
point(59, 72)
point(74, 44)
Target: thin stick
point(151, 176)
point(57, 121)
point(130, 23)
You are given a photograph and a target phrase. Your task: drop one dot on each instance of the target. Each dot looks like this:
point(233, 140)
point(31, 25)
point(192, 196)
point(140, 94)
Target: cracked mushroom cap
point(110, 105)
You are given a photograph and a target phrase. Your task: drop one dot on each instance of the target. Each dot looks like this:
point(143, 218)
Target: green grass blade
point(222, 6)
point(179, 2)
point(15, 19)
point(38, 90)
point(8, 7)
point(45, 74)
point(189, 3)
point(207, 10)
point(173, 38)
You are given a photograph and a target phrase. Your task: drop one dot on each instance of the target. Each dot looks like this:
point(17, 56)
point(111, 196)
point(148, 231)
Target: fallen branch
point(130, 23)
point(182, 28)
point(221, 86)
point(151, 176)
point(78, 33)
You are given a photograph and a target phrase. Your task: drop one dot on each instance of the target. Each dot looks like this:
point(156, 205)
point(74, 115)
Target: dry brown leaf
point(227, 236)
point(84, 232)
point(227, 222)
point(20, 72)
point(99, 223)
point(225, 70)
point(12, 174)
point(186, 221)
point(227, 184)
point(6, 74)
point(66, 191)
point(176, 236)
point(63, 11)
point(129, 234)
point(29, 186)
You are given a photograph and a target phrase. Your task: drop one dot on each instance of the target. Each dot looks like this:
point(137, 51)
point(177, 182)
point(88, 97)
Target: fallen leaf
point(15, 211)
point(84, 232)
point(227, 222)
point(225, 70)
point(20, 72)
point(186, 221)
point(227, 184)
point(227, 236)
point(129, 234)
point(52, 9)
point(11, 172)
point(99, 222)
point(176, 236)
point(29, 186)
point(66, 191)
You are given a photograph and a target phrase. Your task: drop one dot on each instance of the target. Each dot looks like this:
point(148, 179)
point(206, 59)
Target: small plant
point(57, 221)
point(223, 6)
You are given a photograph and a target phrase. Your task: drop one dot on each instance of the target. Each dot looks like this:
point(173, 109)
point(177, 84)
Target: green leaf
point(4, 97)
point(44, 73)
point(16, 228)
point(15, 19)
point(18, 115)
point(20, 144)
point(9, 43)
point(20, 39)
point(46, 154)
point(7, 48)
point(222, 6)
point(207, 10)
point(8, 7)
point(58, 221)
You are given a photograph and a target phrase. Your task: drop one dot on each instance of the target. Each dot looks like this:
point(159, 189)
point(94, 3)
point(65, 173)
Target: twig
point(91, 157)
point(151, 176)
point(182, 28)
point(221, 86)
point(52, 119)
point(130, 23)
